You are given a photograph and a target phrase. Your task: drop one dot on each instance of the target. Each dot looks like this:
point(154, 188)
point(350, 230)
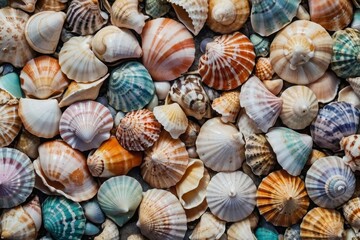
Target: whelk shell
point(209, 227)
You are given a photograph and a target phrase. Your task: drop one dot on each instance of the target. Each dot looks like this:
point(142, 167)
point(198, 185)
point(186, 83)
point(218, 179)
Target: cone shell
point(190, 135)
point(110, 231)
point(351, 147)
point(157, 8)
point(322, 223)
point(168, 49)
point(209, 227)
point(326, 87)
point(263, 69)
point(227, 105)
point(50, 5)
point(234, 53)
point(351, 212)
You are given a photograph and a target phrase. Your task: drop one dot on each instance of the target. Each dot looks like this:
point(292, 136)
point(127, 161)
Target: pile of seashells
point(179, 119)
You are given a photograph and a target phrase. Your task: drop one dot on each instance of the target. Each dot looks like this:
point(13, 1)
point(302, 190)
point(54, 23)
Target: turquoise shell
point(157, 8)
point(93, 211)
point(356, 20)
point(11, 83)
point(63, 218)
point(262, 233)
point(261, 45)
point(130, 87)
point(91, 229)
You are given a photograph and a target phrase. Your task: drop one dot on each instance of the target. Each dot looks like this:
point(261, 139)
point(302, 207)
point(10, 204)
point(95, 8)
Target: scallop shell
point(161, 216)
point(333, 122)
point(263, 69)
point(42, 78)
point(10, 122)
point(50, 5)
point(25, 5)
point(227, 105)
point(165, 162)
point(261, 45)
point(322, 223)
point(351, 147)
point(43, 29)
point(274, 86)
point(130, 87)
point(234, 54)
point(85, 125)
point(168, 49)
point(326, 87)
point(190, 135)
point(351, 212)
point(195, 213)
point(111, 159)
point(10, 82)
point(301, 53)
point(93, 211)
point(157, 8)
point(243, 230)
point(209, 227)
point(260, 104)
point(110, 231)
point(220, 146)
point(329, 182)
point(79, 63)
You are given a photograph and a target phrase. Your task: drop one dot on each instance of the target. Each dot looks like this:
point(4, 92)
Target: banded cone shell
point(227, 105)
point(209, 227)
point(263, 69)
point(351, 212)
point(351, 147)
point(326, 87)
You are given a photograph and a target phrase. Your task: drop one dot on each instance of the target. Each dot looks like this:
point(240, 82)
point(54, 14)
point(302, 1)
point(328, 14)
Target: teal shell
point(11, 83)
point(130, 87)
point(93, 211)
point(345, 61)
point(157, 8)
point(91, 229)
point(262, 233)
point(261, 45)
point(63, 218)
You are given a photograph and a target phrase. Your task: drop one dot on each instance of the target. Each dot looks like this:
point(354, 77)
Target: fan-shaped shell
point(243, 230)
point(263, 69)
point(347, 94)
point(227, 105)
point(326, 87)
point(50, 5)
point(195, 213)
point(157, 8)
point(110, 231)
point(301, 53)
point(355, 84)
point(234, 54)
point(351, 147)
point(329, 182)
point(209, 227)
point(351, 212)
point(246, 125)
point(85, 125)
point(168, 49)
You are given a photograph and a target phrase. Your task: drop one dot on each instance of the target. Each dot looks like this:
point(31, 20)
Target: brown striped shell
point(263, 69)
point(191, 133)
point(351, 211)
point(351, 147)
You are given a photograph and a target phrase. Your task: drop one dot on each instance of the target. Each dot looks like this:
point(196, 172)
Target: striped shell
point(355, 84)
point(326, 87)
point(234, 53)
point(292, 233)
point(351, 147)
point(261, 45)
point(263, 69)
point(157, 8)
point(10, 122)
point(227, 105)
point(33, 208)
point(209, 227)
point(351, 212)
point(50, 5)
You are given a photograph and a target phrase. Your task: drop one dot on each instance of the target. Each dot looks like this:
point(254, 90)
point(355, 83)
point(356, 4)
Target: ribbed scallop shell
point(269, 16)
point(119, 197)
point(10, 122)
point(329, 182)
point(10, 81)
point(260, 104)
point(85, 125)
point(42, 78)
point(300, 107)
point(263, 69)
point(243, 230)
point(333, 122)
point(209, 227)
point(130, 87)
point(111, 159)
point(138, 130)
point(17, 177)
point(322, 223)
point(351, 212)
point(157, 8)
point(227, 105)
point(78, 62)
point(220, 146)
point(234, 54)
point(282, 198)
point(168, 49)
point(301, 53)
point(326, 87)
point(346, 49)
point(165, 162)
point(50, 5)
point(351, 147)
point(63, 218)
point(110, 231)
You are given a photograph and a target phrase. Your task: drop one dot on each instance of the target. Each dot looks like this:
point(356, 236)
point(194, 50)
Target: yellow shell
point(315, 155)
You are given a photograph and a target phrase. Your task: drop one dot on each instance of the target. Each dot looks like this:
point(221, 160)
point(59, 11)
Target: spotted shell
point(227, 105)
point(326, 87)
point(350, 145)
point(209, 227)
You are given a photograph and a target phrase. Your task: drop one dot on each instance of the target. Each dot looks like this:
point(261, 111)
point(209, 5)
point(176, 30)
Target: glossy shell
point(10, 82)
point(351, 147)
point(93, 211)
point(326, 87)
point(227, 105)
point(261, 45)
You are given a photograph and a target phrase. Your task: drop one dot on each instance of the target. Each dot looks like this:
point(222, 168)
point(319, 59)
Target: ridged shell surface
point(263, 69)
point(227, 105)
point(50, 5)
point(33, 209)
point(326, 87)
point(243, 230)
point(10, 122)
point(351, 212)
point(351, 147)
point(209, 227)
point(157, 8)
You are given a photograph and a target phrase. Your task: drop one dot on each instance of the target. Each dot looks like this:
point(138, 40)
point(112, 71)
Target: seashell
point(350, 145)
point(220, 146)
point(300, 107)
point(347, 94)
point(263, 69)
point(93, 211)
point(111, 44)
point(227, 105)
point(259, 155)
point(50, 5)
point(246, 125)
point(70, 180)
point(14, 47)
point(126, 14)
point(17, 177)
point(42, 78)
point(227, 16)
point(43, 29)
point(25, 5)
point(130, 87)
point(63, 218)
point(162, 88)
point(111, 159)
point(33, 209)
point(78, 62)
point(85, 17)
point(345, 52)
point(40, 117)
point(10, 82)
point(243, 230)
point(165, 162)
point(332, 15)
point(326, 87)
point(190, 135)
point(329, 182)
point(333, 122)
point(351, 212)
point(89, 130)
point(195, 213)
point(260, 104)
point(322, 223)
point(268, 17)
point(234, 54)
point(91, 229)
point(110, 231)
point(301, 53)
point(261, 45)
point(161, 216)
point(172, 118)
point(131, 231)
point(292, 233)
point(264, 233)
point(355, 23)
point(292, 149)
point(157, 8)
point(209, 227)
point(119, 197)
point(274, 86)
point(153, 103)
point(28, 144)
point(282, 199)
point(168, 49)
point(314, 156)
point(190, 95)
point(355, 84)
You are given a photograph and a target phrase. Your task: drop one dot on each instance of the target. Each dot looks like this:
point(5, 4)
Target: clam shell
point(157, 8)
point(110, 231)
point(263, 69)
point(93, 211)
point(190, 135)
point(347, 94)
point(351, 212)
point(326, 87)
point(261, 45)
point(209, 227)
point(10, 122)
point(50, 5)
point(227, 105)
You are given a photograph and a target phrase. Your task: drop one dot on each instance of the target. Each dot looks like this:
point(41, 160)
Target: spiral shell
point(228, 105)
point(351, 147)
point(209, 227)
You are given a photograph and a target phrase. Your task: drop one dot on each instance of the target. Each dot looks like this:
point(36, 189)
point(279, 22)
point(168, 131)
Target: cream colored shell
point(209, 227)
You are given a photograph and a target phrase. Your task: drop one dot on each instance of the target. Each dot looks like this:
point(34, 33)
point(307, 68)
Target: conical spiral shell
point(10, 122)
point(209, 227)
point(227, 105)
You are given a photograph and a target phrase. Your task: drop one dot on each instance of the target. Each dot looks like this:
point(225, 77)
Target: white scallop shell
point(209, 227)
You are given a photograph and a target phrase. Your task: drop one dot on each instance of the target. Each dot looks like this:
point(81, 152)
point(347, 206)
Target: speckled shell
point(282, 199)
point(161, 216)
point(260, 104)
point(351, 212)
point(329, 182)
point(10, 122)
point(42, 78)
point(157, 8)
point(110, 231)
point(209, 227)
point(168, 49)
point(268, 17)
point(351, 147)
point(227, 105)
point(333, 122)
point(347, 94)
point(261, 45)
point(326, 87)
point(263, 69)
point(50, 5)
point(322, 223)
point(301, 53)
point(234, 53)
